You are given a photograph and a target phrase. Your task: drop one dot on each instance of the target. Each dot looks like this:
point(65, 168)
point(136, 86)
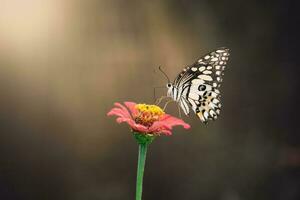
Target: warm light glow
point(27, 25)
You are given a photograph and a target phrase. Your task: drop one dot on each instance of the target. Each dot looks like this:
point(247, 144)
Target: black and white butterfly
point(197, 86)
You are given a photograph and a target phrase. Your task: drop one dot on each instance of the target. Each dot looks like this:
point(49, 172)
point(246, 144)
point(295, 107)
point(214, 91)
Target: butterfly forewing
point(198, 85)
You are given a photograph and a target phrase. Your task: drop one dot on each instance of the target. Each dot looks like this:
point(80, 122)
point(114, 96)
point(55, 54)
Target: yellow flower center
point(147, 114)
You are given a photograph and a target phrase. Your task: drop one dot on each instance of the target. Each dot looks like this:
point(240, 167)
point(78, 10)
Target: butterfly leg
point(159, 100)
point(168, 103)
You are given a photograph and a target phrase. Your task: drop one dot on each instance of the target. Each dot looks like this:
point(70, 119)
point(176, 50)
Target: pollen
point(148, 114)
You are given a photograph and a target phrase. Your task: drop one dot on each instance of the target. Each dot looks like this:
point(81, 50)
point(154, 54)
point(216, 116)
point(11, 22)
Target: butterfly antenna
point(164, 74)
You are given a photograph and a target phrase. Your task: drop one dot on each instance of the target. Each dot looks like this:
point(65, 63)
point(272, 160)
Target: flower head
point(146, 119)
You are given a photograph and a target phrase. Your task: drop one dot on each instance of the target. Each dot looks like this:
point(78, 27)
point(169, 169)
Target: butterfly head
point(170, 88)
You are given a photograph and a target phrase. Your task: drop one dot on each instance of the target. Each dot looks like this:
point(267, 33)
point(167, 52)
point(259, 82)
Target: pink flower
point(146, 119)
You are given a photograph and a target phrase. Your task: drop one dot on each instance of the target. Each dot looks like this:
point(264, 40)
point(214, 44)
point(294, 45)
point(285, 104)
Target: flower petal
point(117, 112)
point(166, 132)
point(133, 125)
point(121, 112)
point(131, 107)
point(169, 121)
point(140, 128)
point(123, 119)
point(125, 110)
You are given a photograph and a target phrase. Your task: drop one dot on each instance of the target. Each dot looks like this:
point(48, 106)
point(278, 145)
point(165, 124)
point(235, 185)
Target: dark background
point(64, 63)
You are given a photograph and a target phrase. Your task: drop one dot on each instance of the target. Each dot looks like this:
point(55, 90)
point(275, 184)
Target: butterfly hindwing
point(199, 83)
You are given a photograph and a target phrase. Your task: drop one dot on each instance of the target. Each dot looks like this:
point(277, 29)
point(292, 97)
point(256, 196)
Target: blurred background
point(65, 62)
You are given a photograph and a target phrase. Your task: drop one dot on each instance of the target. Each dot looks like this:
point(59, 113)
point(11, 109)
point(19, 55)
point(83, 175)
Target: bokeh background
point(65, 62)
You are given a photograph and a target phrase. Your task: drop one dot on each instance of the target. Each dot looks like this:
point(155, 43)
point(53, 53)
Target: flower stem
point(140, 170)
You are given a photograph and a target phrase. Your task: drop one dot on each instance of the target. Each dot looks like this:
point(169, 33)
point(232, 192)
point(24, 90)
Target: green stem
point(140, 170)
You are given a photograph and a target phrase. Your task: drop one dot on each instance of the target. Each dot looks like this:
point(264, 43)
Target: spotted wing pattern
point(198, 85)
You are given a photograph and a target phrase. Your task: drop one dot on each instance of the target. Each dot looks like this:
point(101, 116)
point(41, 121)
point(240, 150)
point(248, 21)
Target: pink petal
point(117, 112)
point(125, 110)
point(173, 121)
point(140, 128)
point(121, 112)
point(137, 127)
point(133, 125)
point(166, 132)
point(168, 122)
point(123, 119)
point(131, 107)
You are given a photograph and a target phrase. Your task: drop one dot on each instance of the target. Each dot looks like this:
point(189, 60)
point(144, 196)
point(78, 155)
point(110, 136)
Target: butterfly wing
point(198, 85)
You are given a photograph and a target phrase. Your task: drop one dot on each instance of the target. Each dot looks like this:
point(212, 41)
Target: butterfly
point(197, 86)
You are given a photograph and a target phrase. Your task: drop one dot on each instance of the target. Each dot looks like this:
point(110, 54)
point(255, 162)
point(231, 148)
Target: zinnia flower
point(146, 119)
point(146, 122)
